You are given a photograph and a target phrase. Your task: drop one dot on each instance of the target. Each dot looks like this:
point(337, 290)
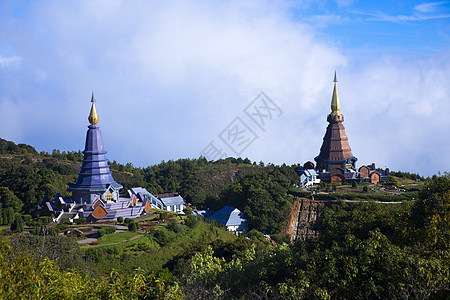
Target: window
point(108, 196)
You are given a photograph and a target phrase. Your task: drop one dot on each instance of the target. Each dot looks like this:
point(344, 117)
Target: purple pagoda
point(94, 180)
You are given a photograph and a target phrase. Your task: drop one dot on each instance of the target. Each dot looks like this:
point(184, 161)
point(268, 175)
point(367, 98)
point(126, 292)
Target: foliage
point(191, 221)
point(79, 221)
point(407, 175)
point(106, 230)
point(65, 221)
point(133, 225)
point(175, 226)
point(364, 250)
point(256, 235)
point(17, 225)
point(22, 276)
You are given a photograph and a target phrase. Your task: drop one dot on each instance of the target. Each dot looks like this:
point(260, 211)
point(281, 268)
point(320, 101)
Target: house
point(232, 218)
point(309, 177)
point(172, 202)
point(371, 174)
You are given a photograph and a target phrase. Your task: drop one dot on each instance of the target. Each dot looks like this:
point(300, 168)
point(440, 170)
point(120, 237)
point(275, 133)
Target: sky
point(180, 79)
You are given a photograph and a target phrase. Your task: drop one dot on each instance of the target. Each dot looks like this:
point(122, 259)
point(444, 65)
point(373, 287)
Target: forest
point(363, 250)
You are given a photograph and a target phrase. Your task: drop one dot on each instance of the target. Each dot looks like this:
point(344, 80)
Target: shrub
point(26, 218)
point(354, 184)
point(365, 189)
point(106, 230)
point(32, 224)
point(187, 211)
point(80, 221)
point(54, 231)
point(17, 225)
point(133, 226)
point(62, 226)
point(120, 220)
point(164, 236)
point(44, 220)
point(127, 220)
point(191, 221)
point(281, 238)
point(256, 235)
point(65, 221)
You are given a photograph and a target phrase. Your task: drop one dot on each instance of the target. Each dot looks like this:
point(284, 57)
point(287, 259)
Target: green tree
point(8, 199)
point(17, 225)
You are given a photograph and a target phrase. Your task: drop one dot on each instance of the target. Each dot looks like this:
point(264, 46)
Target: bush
point(44, 220)
point(127, 220)
point(164, 236)
point(80, 221)
point(365, 189)
point(120, 220)
point(172, 224)
point(178, 228)
point(17, 225)
point(281, 238)
point(61, 226)
point(187, 211)
point(32, 224)
point(191, 221)
point(26, 218)
point(65, 221)
point(106, 230)
point(54, 231)
point(35, 231)
point(354, 184)
point(133, 225)
point(256, 235)
point(38, 230)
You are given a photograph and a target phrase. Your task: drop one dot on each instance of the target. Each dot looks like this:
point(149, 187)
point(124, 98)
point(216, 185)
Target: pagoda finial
point(93, 116)
point(335, 105)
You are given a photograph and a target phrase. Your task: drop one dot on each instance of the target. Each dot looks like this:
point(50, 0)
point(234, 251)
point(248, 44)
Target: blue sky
point(172, 77)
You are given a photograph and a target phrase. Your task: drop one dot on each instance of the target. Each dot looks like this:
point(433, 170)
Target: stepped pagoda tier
point(94, 180)
point(335, 162)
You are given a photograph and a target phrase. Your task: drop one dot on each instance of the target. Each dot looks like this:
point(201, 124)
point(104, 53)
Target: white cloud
point(169, 77)
point(7, 61)
point(406, 18)
point(429, 7)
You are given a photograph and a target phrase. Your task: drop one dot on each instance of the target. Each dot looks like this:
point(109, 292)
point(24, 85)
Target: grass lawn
point(116, 237)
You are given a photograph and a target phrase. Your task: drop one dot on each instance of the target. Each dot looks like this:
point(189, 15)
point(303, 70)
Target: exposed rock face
point(303, 214)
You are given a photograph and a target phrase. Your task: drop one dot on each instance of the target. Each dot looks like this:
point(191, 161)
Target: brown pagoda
point(335, 162)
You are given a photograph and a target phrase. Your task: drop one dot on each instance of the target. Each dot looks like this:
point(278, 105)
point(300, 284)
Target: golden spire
point(93, 116)
point(335, 105)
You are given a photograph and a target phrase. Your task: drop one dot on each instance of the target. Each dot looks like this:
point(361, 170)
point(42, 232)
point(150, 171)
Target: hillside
point(356, 248)
point(263, 192)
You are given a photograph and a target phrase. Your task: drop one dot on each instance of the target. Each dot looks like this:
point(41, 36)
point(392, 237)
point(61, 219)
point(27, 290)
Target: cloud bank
point(170, 77)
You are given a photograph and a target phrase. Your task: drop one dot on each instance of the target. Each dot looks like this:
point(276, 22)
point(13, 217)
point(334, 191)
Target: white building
point(232, 218)
point(309, 177)
point(174, 203)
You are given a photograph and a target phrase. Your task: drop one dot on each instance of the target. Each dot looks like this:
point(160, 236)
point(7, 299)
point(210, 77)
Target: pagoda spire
point(95, 178)
point(93, 116)
point(335, 104)
point(335, 162)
